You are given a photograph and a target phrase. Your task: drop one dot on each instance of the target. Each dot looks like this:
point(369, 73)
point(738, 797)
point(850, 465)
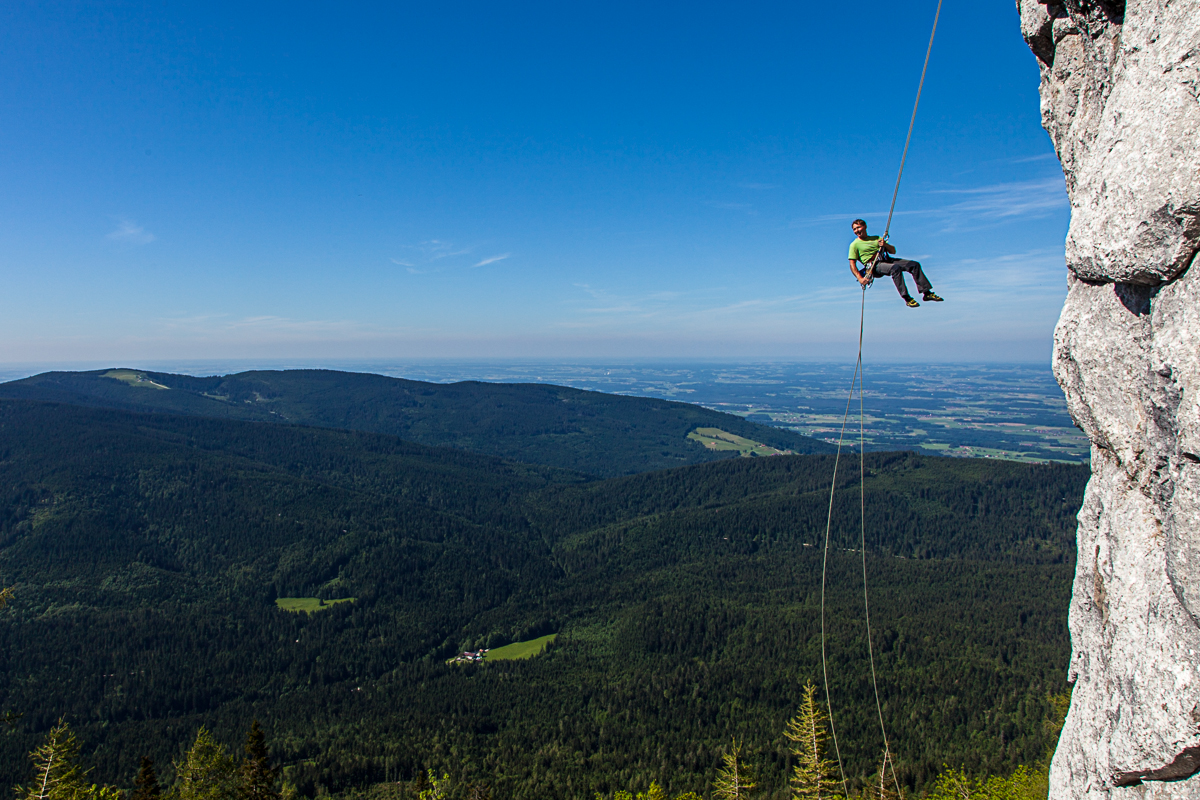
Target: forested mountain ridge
point(592, 432)
point(147, 549)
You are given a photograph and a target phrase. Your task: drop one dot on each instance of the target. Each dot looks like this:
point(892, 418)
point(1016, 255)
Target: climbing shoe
point(930, 297)
point(908, 301)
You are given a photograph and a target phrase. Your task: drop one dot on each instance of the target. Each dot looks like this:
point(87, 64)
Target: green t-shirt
point(864, 249)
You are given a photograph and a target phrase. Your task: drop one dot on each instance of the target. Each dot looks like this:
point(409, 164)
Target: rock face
point(1121, 101)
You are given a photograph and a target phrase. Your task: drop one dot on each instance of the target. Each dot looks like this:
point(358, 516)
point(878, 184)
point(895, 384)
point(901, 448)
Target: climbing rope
point(828, 525)
point(907, 140)
point(857, 380)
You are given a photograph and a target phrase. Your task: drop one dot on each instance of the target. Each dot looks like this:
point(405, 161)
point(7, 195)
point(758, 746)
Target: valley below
point(173, 569)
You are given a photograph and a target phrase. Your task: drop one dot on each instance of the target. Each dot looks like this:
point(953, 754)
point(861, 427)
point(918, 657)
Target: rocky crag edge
point(1120, 89)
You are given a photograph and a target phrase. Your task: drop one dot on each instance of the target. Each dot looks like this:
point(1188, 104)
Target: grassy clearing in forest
point(717, 439)
point(133, 378)
point(520, 649)
point(309, 604)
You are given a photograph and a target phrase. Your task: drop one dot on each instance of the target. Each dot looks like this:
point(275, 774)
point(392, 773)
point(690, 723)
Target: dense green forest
point(146, 552)
point(590, 432)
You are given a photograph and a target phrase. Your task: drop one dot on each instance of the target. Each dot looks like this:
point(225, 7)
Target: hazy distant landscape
point(1010, 411)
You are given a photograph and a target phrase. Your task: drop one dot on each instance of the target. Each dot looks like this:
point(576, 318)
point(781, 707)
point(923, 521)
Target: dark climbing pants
point(897, 267)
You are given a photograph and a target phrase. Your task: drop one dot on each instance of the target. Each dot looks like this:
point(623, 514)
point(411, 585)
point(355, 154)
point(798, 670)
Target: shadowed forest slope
point(592, 432)
point(147, 551)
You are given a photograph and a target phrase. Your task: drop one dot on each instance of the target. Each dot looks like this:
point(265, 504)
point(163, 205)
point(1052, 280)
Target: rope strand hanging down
point(857, 380)
point(825, 559)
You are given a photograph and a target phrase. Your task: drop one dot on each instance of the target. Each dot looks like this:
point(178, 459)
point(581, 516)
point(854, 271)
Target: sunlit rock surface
point(1121, 101)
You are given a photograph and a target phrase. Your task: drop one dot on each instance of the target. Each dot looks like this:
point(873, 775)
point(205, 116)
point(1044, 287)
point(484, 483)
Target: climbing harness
point(857, 381)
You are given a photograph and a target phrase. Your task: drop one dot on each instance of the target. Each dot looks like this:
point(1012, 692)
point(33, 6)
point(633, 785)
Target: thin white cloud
point(991, 204)
point(609, 305)
point(709, 310)
point(130, 232)
point(755, 303)
point(1006, 200)
point(492, 260)
point(436, 249)
point(438, 255)
point(1028, 159)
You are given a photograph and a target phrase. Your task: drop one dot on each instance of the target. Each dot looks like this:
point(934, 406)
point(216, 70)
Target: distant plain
point(1009, 411)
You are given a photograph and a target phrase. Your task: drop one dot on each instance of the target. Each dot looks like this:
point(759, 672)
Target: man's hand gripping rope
point(868, 276)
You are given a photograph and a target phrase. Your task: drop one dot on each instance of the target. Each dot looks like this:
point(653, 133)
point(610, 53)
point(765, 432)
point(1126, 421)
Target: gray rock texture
point(1121, 102)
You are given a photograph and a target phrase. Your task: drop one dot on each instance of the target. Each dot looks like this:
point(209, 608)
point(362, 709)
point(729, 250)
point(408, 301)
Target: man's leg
point(894, 269)
point(913, 267)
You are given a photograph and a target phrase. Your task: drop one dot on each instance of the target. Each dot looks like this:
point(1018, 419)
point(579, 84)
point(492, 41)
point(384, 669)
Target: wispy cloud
point(130, 232)
point(609, 305)
point(757, 304)
point(1028, 159)
point(690, 310)
point(710, 312)
point(979, 205)
point(1007, 200)
point(492, 260)
point(436, 249)
point(410, 267)
point(440, 255)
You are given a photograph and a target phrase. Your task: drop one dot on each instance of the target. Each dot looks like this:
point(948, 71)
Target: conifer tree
point(207, 772)
point(257, 775)
point(145, 785)
point(655, 792)
point(881, 785)
point(438, 788)
point(56, 776)
point(812, 776)
point(733, 781)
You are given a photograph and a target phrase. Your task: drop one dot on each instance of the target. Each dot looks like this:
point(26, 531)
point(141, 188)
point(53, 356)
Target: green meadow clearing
point(520, 649)
point(309, 605)
point(133, 378)
point(717, 439)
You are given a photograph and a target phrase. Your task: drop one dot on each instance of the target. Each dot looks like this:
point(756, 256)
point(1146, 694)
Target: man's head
point(859, 227)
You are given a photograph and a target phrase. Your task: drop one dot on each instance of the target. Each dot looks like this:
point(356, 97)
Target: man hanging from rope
point(864, 248)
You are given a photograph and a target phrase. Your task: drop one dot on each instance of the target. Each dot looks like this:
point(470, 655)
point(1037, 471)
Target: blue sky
point(594, 180)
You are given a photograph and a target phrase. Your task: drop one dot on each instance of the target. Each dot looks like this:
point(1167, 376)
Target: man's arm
point(858, 276)
point(887, 248)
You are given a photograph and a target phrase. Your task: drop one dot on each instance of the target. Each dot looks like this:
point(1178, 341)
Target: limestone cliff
point(1121, 101)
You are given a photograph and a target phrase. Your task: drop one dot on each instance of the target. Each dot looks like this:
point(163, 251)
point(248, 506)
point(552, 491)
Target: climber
point(864, 248)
